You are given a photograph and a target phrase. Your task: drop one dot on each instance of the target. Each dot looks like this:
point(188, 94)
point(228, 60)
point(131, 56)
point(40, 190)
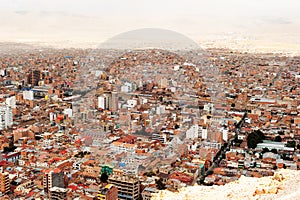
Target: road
point(225, 147)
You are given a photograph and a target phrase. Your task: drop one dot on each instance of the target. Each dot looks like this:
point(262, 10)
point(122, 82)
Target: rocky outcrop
point(283, 185)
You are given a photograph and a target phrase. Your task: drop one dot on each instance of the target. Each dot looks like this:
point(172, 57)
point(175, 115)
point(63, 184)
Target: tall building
point(6, 117)
point(33, 77)
point(104, 101)
point(108, 101)
point(57, 193)
point(4, 183)
point(53, 178)
point(128, 186)
point(11, 101)
point(203, 132)
point(114, 101)
point(108, 192)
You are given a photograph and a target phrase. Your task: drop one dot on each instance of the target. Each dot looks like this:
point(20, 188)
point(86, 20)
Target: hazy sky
point(102, 19)
point(236, 8)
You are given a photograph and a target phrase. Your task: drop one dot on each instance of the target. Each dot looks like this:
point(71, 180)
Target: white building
point(6, 117)
point(2, 72)
point(119, 147)
point(225, 134)
point(11, 102)
point(52, 116)
point(68, 111)
point(104, 102)
point(161, 109)
point(131, 103)
point(192, 147)
point(203, 132)
point(127, 87)
point(28, 95)
point(176, 67)
point(209, 108)
point(193, 132)
point(164, 82)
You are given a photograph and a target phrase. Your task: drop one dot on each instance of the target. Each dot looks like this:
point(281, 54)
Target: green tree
point(277, 139)
point(291, 144)
point(104, 178)
point(264, 150)
point(274, 151)
point(160, 185)
point(260, 134)
point(254, 138)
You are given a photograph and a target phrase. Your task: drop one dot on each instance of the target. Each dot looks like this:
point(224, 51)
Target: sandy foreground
point(284, 185)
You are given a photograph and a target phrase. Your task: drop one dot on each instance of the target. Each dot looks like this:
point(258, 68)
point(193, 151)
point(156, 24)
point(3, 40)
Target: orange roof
point(117, 143)
point(129, 145)
point(56, 170)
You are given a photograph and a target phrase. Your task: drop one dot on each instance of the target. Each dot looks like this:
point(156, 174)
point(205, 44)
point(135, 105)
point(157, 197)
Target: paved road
point(225, 147)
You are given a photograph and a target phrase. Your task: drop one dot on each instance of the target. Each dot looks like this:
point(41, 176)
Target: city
point(145, 131)
point(97, 104)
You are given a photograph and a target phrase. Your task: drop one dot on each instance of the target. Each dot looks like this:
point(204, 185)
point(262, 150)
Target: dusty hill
point(284, 185)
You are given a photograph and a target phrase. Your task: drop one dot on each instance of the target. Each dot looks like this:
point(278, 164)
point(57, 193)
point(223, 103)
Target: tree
point(104, 178)
point(274, 151)
point(254, 138)
point(280, 132)
point(160, 185)
point(264, 150)
point(291, 144)
point(277, 138)
point(260, 134)
point(149, 174)
point(284, 156)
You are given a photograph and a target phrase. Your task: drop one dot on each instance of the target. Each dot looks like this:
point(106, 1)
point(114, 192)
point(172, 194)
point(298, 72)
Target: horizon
point(266, 25)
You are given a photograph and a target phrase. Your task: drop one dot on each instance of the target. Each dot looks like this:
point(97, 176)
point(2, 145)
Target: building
point(6, 117)
point(120, 147)
point(4, 183)
point(114, 101)
point(126, 87)
point(128, 186)
point(280, 146)
point(23, 132)
point(11, 102)
point(209, 108)
point(203, 132)
point(11, 156)
point(53, 178)
point(160, 137)
point(108, 192)
point(192, 132)
point(161, 109)
point(108, 101)
point(28, 95)
point(147, 193)
point(57, 193)
point(224, 134)
point(68, 111)
point(33, 77)
point(104, 101)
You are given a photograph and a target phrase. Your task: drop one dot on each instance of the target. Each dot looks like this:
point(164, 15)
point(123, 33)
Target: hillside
point(284, 185)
